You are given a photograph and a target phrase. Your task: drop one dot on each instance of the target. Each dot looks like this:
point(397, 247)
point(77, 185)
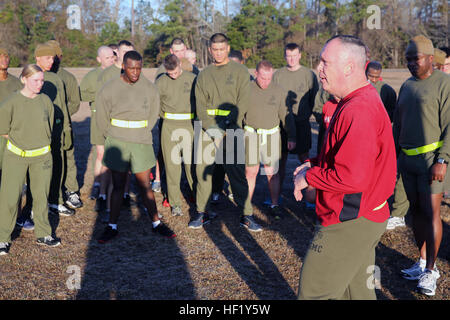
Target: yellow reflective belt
point(380, 206)
point(27, 153)
point(129, 124)
point(263, 132)
point(423, 149)
point(178, 116)
point(218, 112)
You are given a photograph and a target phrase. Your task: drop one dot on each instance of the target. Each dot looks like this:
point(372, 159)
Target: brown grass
point(221, 261)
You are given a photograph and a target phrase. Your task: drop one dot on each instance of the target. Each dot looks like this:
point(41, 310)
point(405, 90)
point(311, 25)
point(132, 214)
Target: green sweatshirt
point(177, 96)
point(72, 90)
point(388, 96)
point(28, 122)
point(423, 113)
point(301, 87)
point(112, 72)
point(88, 86)
point(130, 102)
point(225, 87)
point(8, 86)
point(54, 88)
point(267, 108)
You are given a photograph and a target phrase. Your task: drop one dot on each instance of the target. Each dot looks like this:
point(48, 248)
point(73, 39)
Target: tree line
point(258, 28)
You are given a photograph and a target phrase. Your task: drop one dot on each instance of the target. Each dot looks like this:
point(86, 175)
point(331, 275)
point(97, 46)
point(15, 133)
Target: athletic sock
point(156, 223)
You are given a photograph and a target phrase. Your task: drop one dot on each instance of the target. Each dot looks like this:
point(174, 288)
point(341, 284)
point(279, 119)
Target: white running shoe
point(394, 222)
point(427, 282)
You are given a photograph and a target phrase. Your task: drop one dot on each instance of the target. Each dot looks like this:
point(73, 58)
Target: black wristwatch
point(441, 161)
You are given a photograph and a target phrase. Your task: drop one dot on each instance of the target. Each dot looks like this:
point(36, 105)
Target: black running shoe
point(108, 235)
point(4, 248)
point(164, 230)
point(249, 223)
point(73, 200)
point(48, 241)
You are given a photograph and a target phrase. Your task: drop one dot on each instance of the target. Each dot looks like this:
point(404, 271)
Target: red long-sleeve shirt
point(356, 170)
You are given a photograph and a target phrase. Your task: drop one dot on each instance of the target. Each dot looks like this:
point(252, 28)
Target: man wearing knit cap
point(62, 130)
point(72, 91)
point(423, 148)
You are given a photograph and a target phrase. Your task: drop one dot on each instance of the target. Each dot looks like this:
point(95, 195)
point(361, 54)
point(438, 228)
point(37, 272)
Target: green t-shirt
point(268, 107)
point(225, 87)
point(88, 87)
point(8, 86)
point(130, 102)
point(422, 115)
point(301, 87)
point(72, 90)
point(388, 96)
point(28, 122)
point(177, 96)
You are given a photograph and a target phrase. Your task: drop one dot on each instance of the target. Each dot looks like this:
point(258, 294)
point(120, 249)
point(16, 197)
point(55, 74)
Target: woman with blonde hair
point(26, 121)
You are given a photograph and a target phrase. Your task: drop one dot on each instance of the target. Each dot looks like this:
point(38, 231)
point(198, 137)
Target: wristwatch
point(441, 161)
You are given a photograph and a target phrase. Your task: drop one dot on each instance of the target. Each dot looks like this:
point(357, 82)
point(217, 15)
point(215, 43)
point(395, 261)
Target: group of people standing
point(223, 121)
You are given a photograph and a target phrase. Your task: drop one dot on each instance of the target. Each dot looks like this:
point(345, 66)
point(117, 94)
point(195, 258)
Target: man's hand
point(304, 166)
point(438, 171)
point(300, 182)
point(291, 145)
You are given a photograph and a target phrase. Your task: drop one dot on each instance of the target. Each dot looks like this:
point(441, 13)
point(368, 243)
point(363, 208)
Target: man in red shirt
point(354, 175)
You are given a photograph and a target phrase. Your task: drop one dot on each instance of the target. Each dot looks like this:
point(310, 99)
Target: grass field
point(221, 261)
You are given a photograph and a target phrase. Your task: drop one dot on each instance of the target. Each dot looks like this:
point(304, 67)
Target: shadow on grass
point(137, 264)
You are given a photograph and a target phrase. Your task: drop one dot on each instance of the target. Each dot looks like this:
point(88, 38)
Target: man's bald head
point(342, 65)
point(105, 56)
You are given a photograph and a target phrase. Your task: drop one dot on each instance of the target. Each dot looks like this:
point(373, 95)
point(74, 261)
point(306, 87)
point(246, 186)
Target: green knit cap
point(420, 44)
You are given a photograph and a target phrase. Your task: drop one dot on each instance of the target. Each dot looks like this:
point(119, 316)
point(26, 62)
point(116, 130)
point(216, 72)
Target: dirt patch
point(221, 261)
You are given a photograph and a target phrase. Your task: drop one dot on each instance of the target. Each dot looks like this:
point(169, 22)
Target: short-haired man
point(267, 109)
point(421, 126)
point(73, 100)
point(176, 91)
point(353, 177)
point(178, 48)
point(386, 92)
point(222, 95)
point(301, 86)
point(112, 72)
point(127, 107)
point(62, 130)
point(88, 89)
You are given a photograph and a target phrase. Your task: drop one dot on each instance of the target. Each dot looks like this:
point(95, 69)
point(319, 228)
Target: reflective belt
point(27, 153)
point(380, 206)
point(263, 132)
point(129, 124)
point(423, 149)
point(178, 116)
point(218, 112)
